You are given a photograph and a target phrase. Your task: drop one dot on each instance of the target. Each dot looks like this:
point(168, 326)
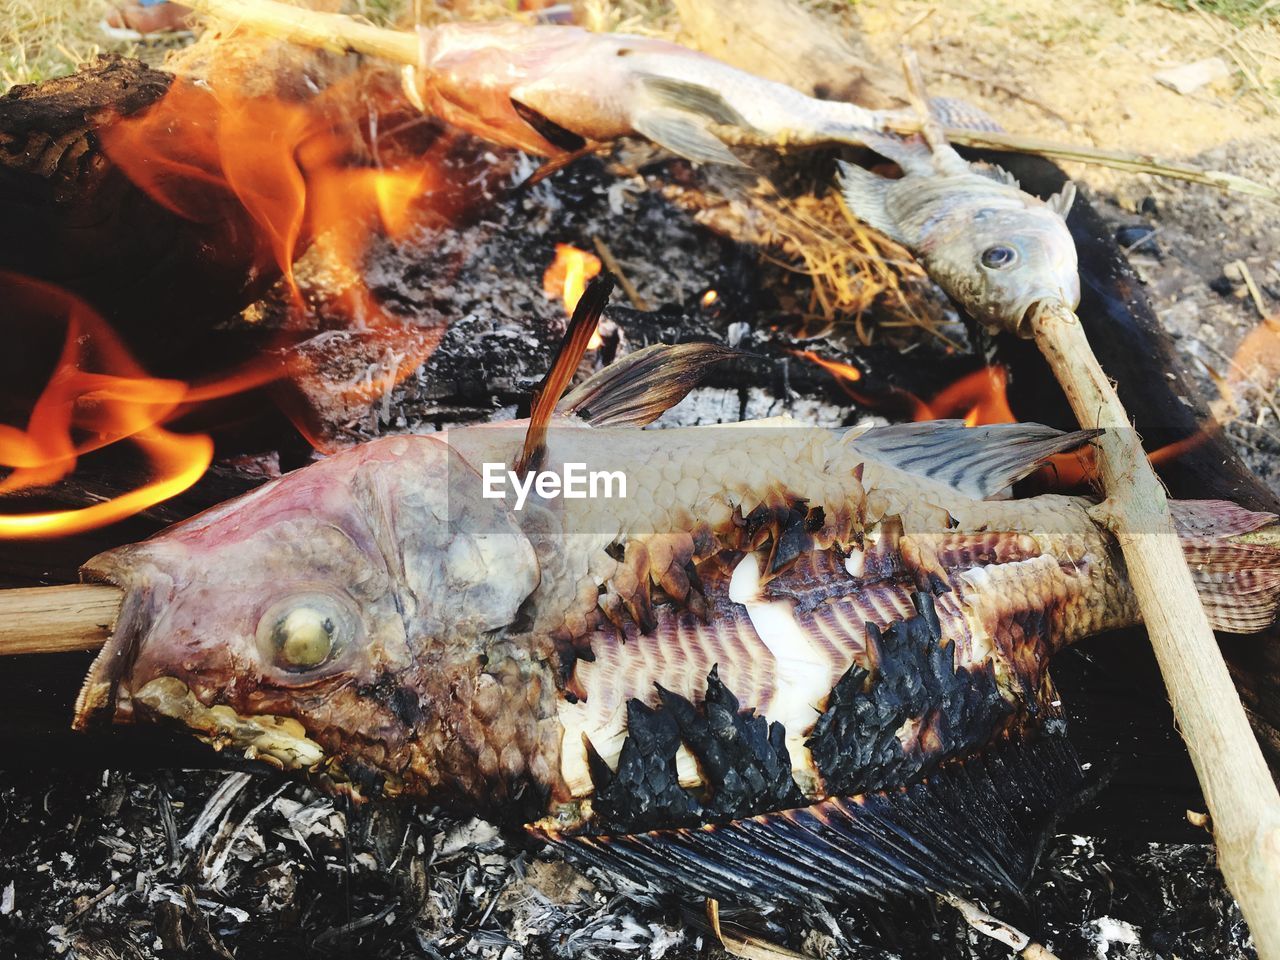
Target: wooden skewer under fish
point(763, 661)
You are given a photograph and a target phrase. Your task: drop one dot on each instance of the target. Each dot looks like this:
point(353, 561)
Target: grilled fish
point(781, 646)
point(550, 90)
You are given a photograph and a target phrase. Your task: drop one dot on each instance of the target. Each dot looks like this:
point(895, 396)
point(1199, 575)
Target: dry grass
point(47, 38)
point(40, 39)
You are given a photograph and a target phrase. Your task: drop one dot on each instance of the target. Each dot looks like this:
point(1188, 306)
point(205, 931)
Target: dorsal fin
point(976, 462)
point(577, 336)
point(1062, 201)
point(642, 386)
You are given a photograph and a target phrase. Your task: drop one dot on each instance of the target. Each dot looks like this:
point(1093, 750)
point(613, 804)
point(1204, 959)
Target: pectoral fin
point(977, 462)
point(683, 133)
point(691, 98)
point(864, 192)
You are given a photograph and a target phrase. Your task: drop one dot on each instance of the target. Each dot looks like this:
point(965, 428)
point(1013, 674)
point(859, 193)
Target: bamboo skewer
point(57, 619)
point(1241, 796)
point(1238, 788)
point(1116, 159)
point(339, 33)
point(334, 32)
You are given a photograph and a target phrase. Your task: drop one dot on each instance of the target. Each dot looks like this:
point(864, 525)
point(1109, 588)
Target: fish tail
point(1234, 557)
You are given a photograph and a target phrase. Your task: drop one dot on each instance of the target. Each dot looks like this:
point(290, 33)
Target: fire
point(97, 396)
point(843, 372)
point(709, 299)
point(275, 176)
point(567, 279)
point(979, 398)
point(298, 174)
point(568, 274)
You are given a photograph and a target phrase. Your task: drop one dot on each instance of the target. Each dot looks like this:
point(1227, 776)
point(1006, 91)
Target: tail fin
point(1234, 556)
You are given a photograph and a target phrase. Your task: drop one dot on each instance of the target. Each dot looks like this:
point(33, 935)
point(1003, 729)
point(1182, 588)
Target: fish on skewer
point(552, 90)
point(996, 250)
point(784, 648)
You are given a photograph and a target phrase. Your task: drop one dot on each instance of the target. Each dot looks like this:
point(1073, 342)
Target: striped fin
point(961, 114)
point(864, 193)
point(583, 323)
point(974, 826)
point(977, 462)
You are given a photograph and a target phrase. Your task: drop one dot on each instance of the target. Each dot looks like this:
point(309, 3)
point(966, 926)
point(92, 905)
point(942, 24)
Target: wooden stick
point(57, 619)
point(1242, 797)
point(334, 32)
point(341, 34)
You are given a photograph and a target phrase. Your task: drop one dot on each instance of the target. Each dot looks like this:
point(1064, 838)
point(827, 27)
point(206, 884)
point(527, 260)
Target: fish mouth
point(1024, 316)
point(99, 700)
point(279, 741)
point(106, 696)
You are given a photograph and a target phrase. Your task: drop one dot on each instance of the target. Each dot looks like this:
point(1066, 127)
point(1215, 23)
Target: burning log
point(74, 218)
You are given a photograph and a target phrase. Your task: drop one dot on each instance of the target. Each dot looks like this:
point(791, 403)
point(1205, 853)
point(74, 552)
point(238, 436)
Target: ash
point(200, 864)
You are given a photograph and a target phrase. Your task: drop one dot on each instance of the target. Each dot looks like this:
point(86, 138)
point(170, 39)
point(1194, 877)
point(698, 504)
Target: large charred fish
point(783, 646)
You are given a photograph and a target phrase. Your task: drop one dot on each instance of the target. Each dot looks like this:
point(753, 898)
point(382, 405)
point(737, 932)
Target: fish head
point(310, 622)
point(1000, 260)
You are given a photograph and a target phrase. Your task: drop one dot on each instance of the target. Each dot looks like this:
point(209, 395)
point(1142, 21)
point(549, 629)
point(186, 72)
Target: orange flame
point(295, 173)
point(274, 176)
point(98, 395)
point(568, 274)
point(567, 278)
point(979, 398)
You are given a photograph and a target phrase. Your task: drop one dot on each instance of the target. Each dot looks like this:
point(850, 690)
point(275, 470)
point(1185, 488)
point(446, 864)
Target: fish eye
point(999, 256)
point(304, 632)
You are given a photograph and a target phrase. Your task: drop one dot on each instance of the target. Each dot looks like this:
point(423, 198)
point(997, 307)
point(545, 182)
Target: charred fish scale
point(936, 835)
point(744, 758)
point(377, 622)
point(644, 791)
point(857, 743)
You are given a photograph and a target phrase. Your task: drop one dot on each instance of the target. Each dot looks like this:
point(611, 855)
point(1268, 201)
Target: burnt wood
point(72, 218)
